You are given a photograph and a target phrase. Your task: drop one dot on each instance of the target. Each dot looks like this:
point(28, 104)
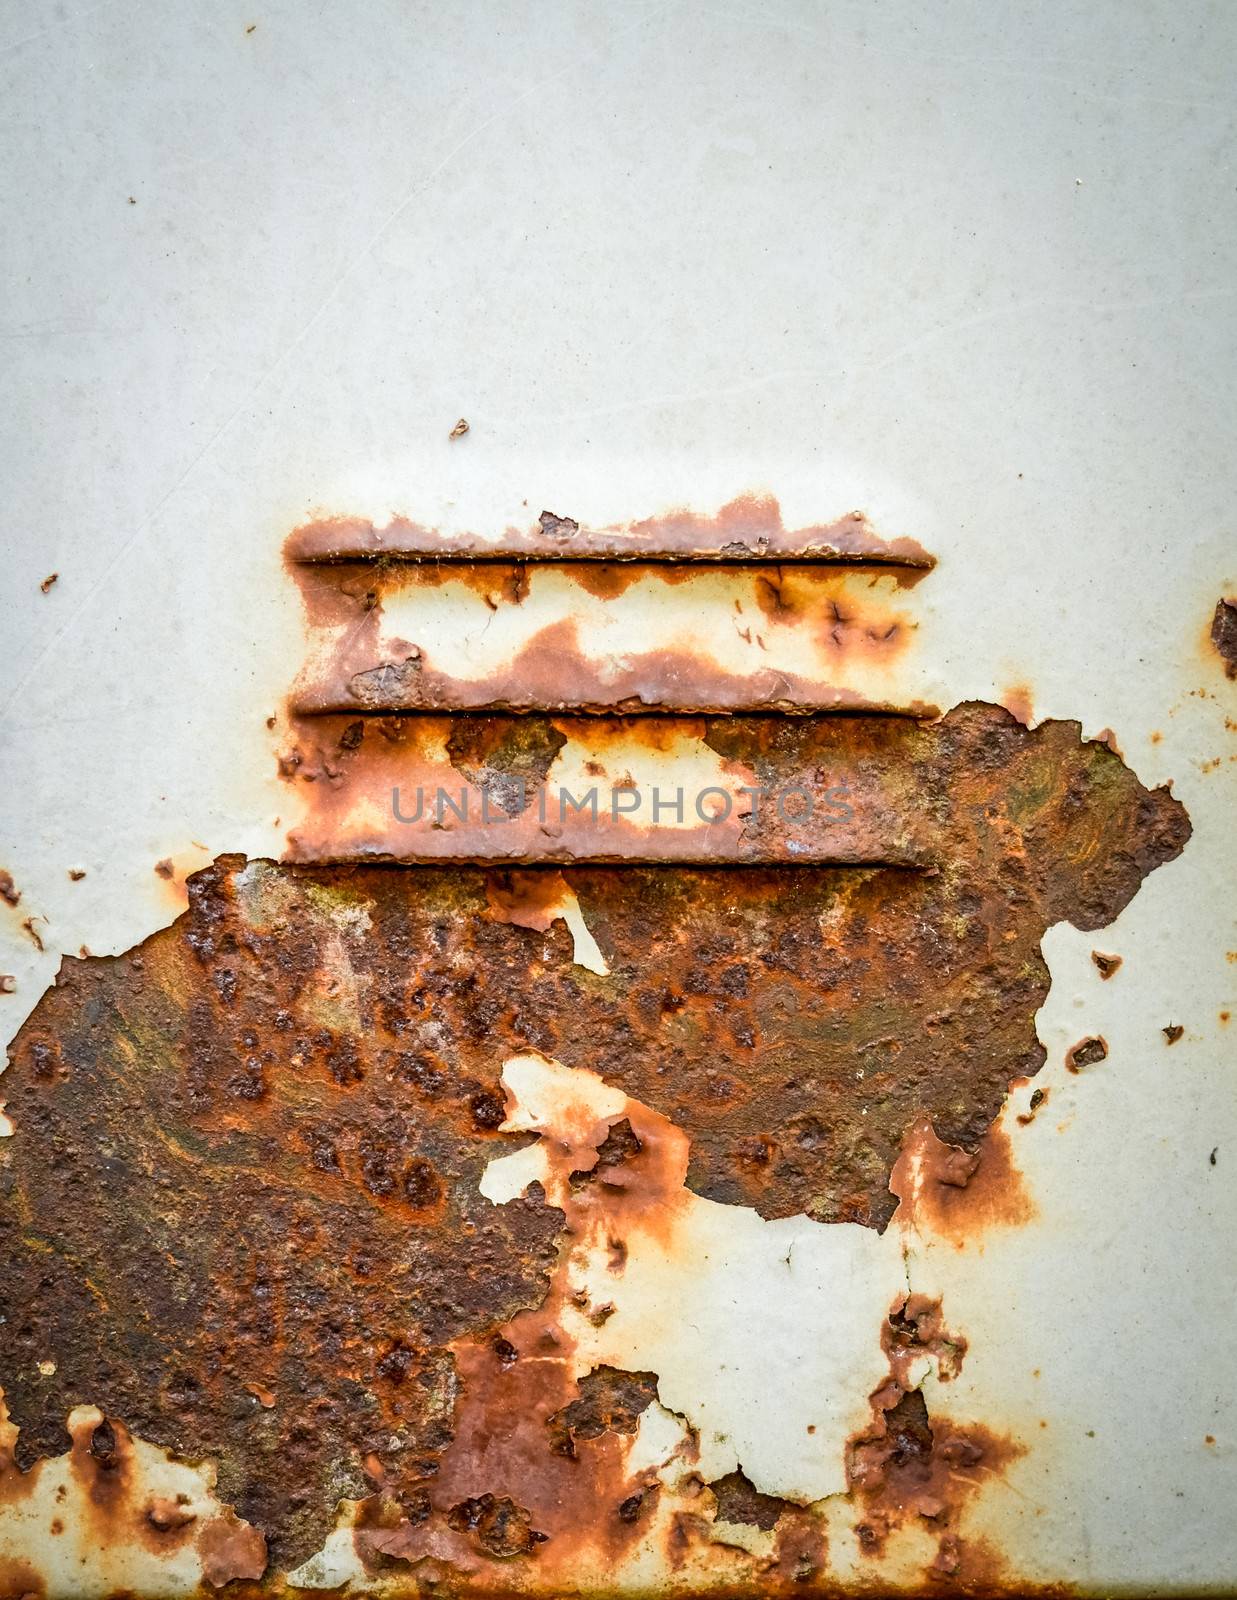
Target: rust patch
point(535, 1470)
point(904, 1470)
point(748, 528)
point(881, 790)
point(9, 892)
point(49, 581)
point(1172, 1032)
point(1224, 635)
point(314, 1051)
point(915, 1328)
point(609, 1401)
point(1105, 965)
point(256, 1093)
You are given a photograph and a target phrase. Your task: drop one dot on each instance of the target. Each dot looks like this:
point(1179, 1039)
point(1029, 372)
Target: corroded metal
point(859, 790)
point(245, 1206)
point(421, 1185)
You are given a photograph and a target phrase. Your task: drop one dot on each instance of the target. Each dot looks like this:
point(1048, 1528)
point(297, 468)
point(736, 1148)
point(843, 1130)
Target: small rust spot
point(164, 868)
point(48, 581)
point(76, 874)
point(36, 937)
point(1224, 634)
point(9, 891)
point(1087, 1053)
point(1172, 1032)
point(1106, 965)
point(167, 1512)
point(459, 430)
point(497, 1525)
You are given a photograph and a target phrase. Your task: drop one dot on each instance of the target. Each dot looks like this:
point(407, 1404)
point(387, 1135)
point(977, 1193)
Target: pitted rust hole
point(1086, 1053)
point(496, 1525)
point(609, 1401)
point(738, 1500)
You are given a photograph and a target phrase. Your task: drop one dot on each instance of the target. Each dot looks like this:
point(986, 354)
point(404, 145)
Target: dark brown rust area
point(738, 1500)
point(223, 1190)
point(610, 1401)
point(248, 1153)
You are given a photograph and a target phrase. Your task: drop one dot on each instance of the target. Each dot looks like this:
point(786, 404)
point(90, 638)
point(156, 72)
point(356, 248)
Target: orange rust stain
point(19, 1580)
point(1172, 1032)
point(9, 892)
point(958, 1193)
point(553, 670)
point(1017, 701)
point(345, 599)
point(1105, 964)
point(906, 1470)
point(526, 899)
point(607, 580)
point(229, 1548)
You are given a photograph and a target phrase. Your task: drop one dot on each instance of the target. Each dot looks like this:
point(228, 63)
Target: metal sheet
point(975, 278)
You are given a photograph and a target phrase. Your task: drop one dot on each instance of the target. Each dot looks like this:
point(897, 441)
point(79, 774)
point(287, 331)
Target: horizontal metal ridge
point(748, 530)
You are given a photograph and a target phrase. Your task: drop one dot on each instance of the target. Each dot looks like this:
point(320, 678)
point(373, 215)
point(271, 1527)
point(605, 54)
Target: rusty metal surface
point(855, 790)
point(314, 1052)
point(750, 528)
